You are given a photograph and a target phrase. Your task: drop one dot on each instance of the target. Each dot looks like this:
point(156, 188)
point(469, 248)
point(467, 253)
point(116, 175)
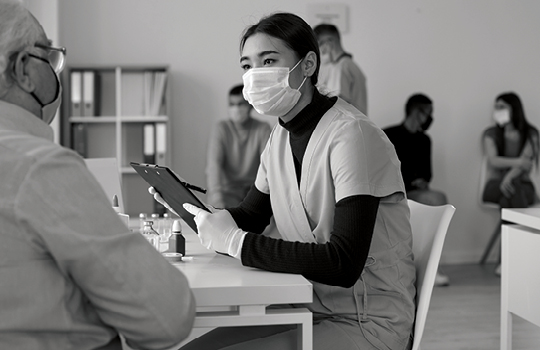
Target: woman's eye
point(268, 61)
point(246, 67)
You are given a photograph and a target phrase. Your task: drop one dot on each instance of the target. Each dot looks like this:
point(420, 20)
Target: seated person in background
point(72, 275)
point(413, 147)
point(511, 148)
point(339, 75)
point(234, 152)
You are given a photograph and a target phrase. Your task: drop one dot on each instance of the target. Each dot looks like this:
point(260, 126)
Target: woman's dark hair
point(292, 30)
point(526, 131)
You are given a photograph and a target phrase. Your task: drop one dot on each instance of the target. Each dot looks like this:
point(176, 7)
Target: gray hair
point(18, 30)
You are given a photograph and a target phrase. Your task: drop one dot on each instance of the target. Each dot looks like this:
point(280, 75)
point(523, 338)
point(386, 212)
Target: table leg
point(506, 316)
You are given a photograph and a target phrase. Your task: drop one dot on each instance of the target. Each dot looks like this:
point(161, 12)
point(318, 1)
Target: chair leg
point(496, 233)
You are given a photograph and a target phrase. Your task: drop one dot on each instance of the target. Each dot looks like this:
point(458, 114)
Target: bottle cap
point(142, 216)
point(176, 226)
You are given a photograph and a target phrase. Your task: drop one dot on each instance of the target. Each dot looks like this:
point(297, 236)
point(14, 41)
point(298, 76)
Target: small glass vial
point(150, 234)
point(142, 219)
point(166, 226)
point(157, 223)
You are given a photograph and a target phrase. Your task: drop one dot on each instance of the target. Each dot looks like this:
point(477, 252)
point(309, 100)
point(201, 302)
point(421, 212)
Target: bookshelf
point(122, 112)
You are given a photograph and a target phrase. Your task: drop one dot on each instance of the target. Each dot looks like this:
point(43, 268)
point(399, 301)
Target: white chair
point(429, 226)
point(106, 172)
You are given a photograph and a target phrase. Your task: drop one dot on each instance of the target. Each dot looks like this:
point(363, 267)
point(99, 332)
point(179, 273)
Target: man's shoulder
point(394, 129)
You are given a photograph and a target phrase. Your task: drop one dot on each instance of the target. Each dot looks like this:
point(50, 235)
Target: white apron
point(348, 155)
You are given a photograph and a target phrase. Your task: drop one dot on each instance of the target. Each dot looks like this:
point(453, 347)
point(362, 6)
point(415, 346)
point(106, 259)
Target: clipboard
point(173, 190)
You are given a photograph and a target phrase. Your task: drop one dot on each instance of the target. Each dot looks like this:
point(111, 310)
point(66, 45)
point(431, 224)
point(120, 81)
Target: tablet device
point(173, 190)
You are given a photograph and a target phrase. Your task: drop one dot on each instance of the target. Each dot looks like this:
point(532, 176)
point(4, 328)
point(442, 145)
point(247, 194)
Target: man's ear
point(19, 72)
point(310, 64)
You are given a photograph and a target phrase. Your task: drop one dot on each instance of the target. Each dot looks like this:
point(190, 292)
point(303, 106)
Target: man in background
point(339, 75)
point(413, 148)
point(72, 275)
point(234, 152)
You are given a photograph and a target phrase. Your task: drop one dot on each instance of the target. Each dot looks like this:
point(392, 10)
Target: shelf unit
point(122, 102)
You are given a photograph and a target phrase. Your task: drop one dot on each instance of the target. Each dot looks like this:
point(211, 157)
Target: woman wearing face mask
point(511, 147)
point(331, 180)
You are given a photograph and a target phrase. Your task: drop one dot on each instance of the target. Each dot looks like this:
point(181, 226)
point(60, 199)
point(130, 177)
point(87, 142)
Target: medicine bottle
point(150, 234)
point(177, 242)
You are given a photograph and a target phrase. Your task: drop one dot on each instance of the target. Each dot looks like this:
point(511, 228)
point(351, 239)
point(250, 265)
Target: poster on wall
point(335, 14)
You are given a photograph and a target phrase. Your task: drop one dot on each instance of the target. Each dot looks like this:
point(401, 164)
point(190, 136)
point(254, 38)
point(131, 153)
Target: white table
point(229, 294)
point(520, 285)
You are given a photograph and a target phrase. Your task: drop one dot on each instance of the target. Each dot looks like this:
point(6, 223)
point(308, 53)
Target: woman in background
point(511, 148)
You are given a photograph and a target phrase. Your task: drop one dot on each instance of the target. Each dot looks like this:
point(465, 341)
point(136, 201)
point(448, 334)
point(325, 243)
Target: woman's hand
point(525, 163)
point(507, 187)
point(218, 230)
point(159, 199)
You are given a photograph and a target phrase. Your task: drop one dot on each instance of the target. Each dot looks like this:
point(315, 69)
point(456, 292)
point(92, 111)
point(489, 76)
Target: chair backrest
point(106, 172)
point(429, 226)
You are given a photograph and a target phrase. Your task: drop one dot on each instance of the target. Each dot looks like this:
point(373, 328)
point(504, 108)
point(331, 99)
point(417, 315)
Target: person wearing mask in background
point(234, 152)
point(72, 275)
point(331, 180)
point(339, 75)
point(413, 147)
point(511, 147)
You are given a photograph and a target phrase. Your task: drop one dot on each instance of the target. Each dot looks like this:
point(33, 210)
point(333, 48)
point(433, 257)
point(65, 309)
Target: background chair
point(105, 170)
point(489, 205)
point(484, 172)
point(429, 226)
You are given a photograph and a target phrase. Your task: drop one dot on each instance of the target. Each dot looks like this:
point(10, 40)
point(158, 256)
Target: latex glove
point(218, 231)
point(159, 199)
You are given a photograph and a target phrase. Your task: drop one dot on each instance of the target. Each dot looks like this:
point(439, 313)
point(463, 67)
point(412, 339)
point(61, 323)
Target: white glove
point(218, 231)
point(159, 199)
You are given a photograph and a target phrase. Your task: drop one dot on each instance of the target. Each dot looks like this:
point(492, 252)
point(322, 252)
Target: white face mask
point(268, 90)
point(501, 116)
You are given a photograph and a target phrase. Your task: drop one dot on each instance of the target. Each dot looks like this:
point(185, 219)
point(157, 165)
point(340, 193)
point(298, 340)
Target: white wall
point(461, 53)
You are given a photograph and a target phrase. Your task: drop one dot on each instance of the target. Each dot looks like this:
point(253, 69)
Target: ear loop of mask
point(305, 77)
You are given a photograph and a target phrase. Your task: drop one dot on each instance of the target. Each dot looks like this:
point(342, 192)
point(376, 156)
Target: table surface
point(220, 280)
point(529, 217)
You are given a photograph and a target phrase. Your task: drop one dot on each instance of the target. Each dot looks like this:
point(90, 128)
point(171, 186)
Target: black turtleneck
point(338, 262)
point(302, 125)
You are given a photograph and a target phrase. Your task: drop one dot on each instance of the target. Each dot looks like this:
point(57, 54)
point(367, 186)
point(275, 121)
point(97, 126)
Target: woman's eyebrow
point(260, 54)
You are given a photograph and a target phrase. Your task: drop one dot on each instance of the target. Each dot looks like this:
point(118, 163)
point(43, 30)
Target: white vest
point(348, 155)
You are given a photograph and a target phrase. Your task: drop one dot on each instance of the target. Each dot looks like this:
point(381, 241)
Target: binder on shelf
point(158, 92)
point(148, 86)
point(161, 143)
point(76, 94)
point(89, 93)
point(149, 144)
point(79, 139)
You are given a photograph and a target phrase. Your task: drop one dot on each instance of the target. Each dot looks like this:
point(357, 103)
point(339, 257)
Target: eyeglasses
point(56, 56)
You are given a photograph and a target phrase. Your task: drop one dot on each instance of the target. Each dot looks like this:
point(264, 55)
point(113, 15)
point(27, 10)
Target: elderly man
point(72, 275)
